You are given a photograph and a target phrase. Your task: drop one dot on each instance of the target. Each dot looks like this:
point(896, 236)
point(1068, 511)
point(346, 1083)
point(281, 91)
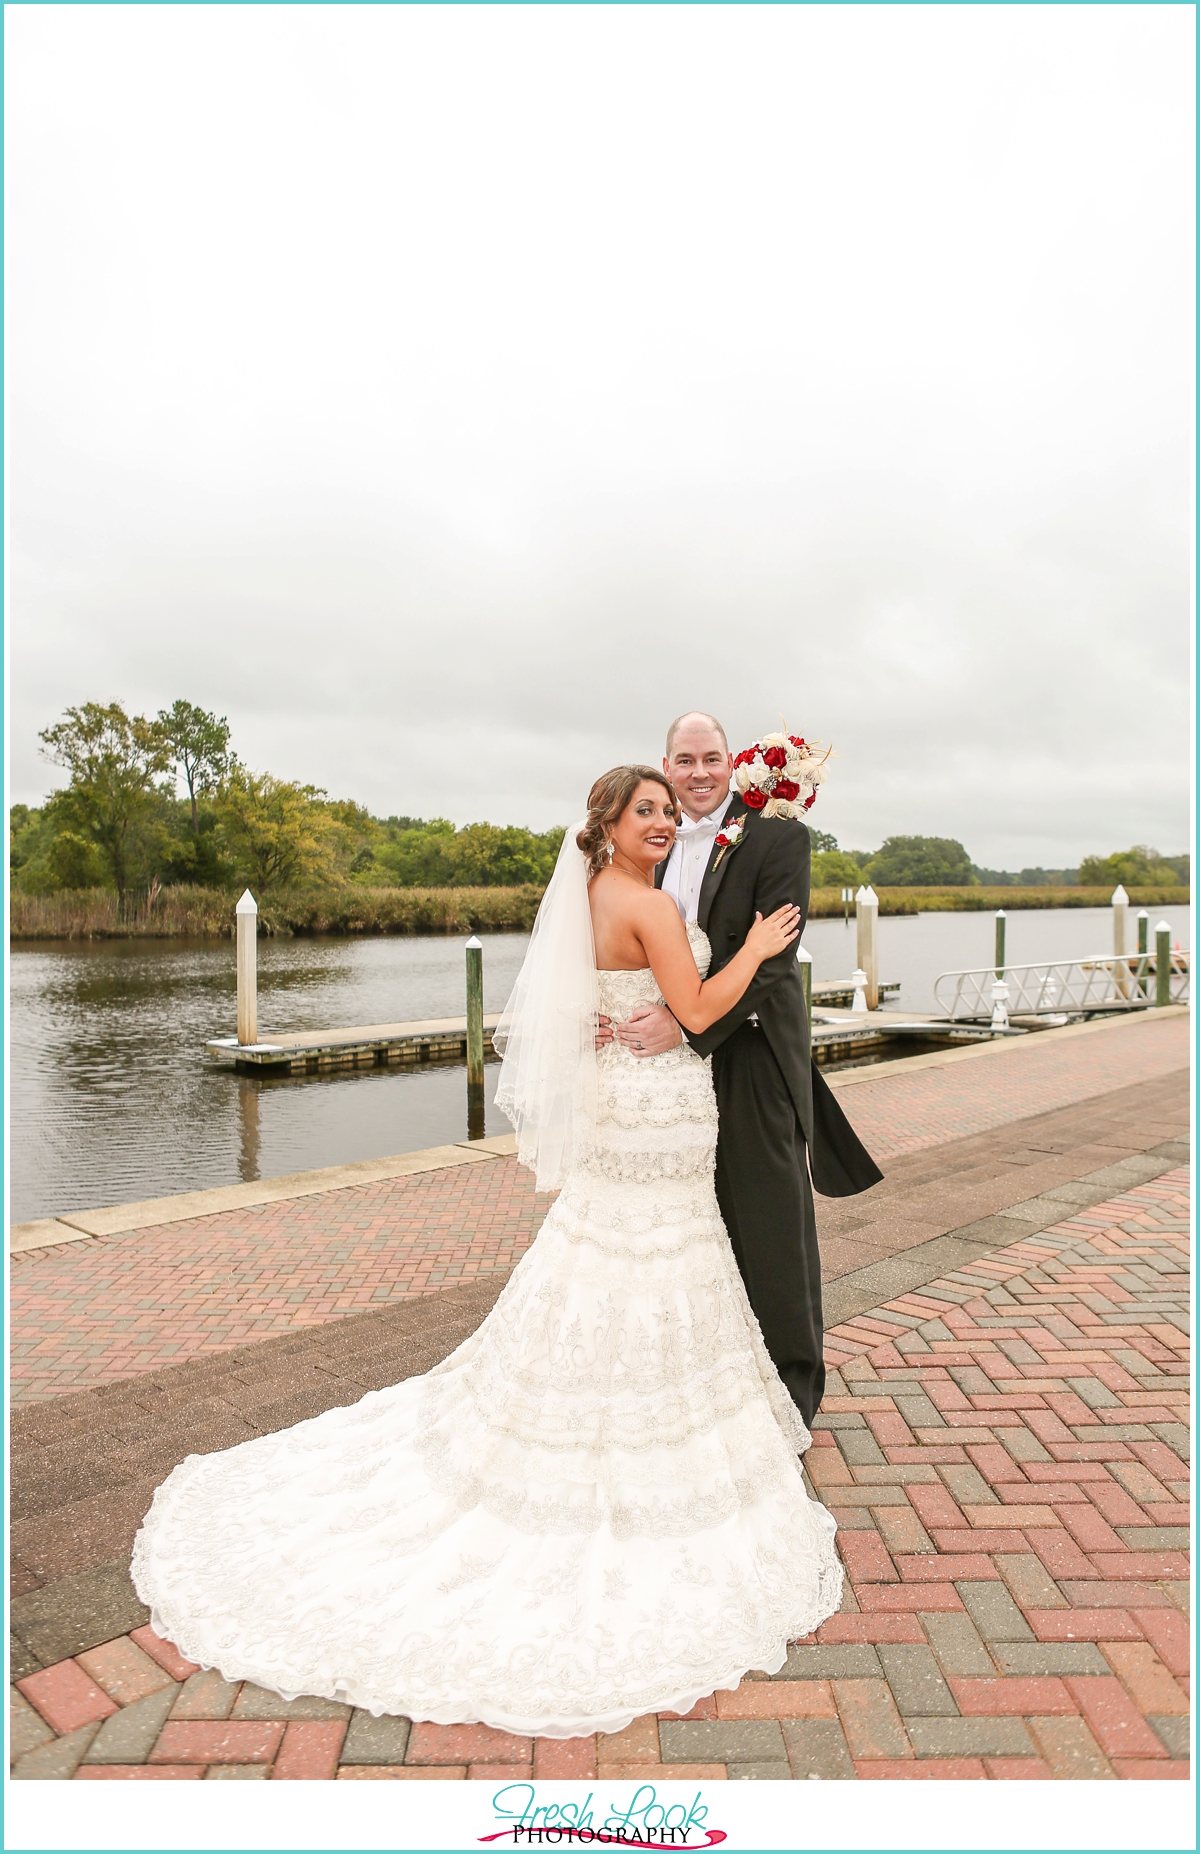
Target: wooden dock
point(857, 1036)
point(839, 993)
point(444, 1039)
point(300, 1052)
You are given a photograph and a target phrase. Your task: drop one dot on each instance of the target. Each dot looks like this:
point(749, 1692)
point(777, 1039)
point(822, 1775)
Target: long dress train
point(593, 1509)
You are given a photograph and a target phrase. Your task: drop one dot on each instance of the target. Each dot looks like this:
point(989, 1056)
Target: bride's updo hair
point(607, 800)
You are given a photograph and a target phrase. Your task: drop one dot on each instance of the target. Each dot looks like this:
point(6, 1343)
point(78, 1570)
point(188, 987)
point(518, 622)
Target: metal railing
point(1104, 982)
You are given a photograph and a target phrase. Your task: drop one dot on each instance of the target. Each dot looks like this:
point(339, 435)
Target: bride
point(594, 1508)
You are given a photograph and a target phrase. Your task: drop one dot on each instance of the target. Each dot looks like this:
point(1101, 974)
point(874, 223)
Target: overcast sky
point(452, 395)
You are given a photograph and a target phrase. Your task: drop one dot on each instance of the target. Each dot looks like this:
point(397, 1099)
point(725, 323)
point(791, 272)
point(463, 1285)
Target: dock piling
point(866, 911)
point(804, 961)
point(247, 969)
point(1143, 924)
point(476, 1113)
point(1162, 964)
point(1001, 930)
point(1120, 914)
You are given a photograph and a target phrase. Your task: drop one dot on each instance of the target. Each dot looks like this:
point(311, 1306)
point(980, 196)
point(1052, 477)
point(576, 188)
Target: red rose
point(786, 788)
point(744, 757)
point(797, 740)
point(754, 798)
point(775, 757)
point(721, 838)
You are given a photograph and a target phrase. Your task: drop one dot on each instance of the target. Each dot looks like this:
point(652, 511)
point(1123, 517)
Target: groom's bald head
point(695, 718)
point(698, 763)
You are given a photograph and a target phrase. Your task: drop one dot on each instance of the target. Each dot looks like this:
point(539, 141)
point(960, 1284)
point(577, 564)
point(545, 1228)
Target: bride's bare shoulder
point(616, 894)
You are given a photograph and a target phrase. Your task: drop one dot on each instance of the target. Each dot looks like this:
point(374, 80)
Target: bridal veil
point(547, 1033)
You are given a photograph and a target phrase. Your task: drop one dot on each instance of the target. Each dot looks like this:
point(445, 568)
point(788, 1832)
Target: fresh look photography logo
point(646, 1822)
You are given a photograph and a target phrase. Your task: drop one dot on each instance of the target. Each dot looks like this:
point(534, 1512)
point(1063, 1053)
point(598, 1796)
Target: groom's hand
point(649, 1030)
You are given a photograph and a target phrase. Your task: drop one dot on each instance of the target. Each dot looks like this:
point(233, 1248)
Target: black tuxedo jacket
point(768, 866)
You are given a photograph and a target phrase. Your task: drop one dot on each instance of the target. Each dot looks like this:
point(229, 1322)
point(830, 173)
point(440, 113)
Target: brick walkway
point(909, 1111)
point(1004, 1450)
point(101, 1311)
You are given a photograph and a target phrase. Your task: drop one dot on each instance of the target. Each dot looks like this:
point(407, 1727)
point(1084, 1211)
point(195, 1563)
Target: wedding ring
point(639, 1045)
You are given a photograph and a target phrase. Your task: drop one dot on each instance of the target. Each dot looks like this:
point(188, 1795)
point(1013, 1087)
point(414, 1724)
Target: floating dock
point(863, 1036)
point(302, 1052)
point(444, 1039)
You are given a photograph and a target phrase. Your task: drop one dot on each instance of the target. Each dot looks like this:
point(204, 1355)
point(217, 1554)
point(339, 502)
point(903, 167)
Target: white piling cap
point(474, 943)
point(858, 978)
point(1119, 898)
point(871, 898)
point(803, 954)
point(247, 905)
point(1001, 915)
point(1163, 927)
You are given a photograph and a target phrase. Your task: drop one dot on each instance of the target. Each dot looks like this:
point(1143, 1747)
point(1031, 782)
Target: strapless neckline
point(698, 941)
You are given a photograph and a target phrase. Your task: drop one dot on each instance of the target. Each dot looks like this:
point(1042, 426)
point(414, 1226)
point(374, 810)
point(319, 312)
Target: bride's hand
point(771, 936)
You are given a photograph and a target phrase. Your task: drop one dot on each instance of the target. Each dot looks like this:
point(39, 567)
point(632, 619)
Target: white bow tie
point(693, 826)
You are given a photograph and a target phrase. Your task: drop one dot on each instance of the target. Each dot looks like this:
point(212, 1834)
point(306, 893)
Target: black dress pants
point(766, 1200)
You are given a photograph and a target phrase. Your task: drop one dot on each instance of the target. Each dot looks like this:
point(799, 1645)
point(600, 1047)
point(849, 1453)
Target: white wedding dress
point(592, 1510)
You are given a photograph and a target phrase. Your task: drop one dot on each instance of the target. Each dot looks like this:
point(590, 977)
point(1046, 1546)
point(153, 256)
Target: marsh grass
point(205, 913)
point(825, 902)
point(202, 913)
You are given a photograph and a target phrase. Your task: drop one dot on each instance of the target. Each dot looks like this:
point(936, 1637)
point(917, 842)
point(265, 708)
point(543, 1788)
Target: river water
point(113, 1099)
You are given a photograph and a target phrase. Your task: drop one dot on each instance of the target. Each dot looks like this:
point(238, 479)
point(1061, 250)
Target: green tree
point(46, 855)
point(920, 862)
point(421, 858)
point(199, 742)
point(478, 856)
point(834, 869)
point(1139, 867)
point(275, 832)
point(821, 840)
point(495, 856)
point(115, 762)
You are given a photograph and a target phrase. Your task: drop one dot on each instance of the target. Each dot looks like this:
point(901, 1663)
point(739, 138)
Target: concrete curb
point(120, 1219)
point(1038, 1039)
point(123, 1219)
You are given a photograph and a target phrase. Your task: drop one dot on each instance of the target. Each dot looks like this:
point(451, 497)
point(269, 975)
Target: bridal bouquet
point(779, 775)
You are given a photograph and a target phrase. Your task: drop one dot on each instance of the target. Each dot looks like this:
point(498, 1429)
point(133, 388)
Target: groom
point(778, 1118)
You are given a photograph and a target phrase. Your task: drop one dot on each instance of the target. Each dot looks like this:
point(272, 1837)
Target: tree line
point(942, 862)
point(152, 803)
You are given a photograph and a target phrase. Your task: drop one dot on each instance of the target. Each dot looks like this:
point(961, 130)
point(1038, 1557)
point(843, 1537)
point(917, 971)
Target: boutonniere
point(728, 837)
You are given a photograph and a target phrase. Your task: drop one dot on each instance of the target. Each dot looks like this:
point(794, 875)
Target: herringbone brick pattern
point(97, 1312)
point(909, 1111)
point(1005, 1452)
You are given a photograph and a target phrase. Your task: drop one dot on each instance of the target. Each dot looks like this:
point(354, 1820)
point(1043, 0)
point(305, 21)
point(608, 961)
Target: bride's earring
point(612, 849)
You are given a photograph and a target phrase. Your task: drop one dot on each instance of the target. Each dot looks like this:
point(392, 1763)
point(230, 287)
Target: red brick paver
point(66, 1696)
point(116, 1306)
point(96, 1312)
point(1015, 1607)
point(909, 1111)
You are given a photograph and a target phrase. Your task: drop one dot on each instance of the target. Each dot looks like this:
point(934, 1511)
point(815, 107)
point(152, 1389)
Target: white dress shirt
point(689, 859)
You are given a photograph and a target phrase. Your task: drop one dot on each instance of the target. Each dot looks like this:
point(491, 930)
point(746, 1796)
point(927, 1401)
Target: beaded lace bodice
point(591, 1510)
